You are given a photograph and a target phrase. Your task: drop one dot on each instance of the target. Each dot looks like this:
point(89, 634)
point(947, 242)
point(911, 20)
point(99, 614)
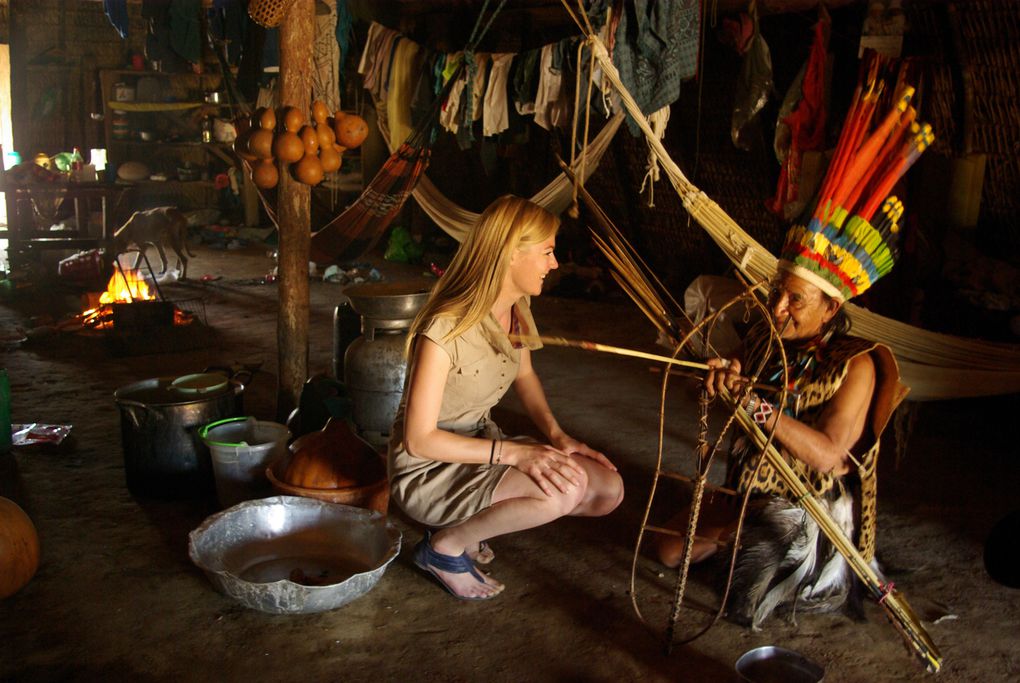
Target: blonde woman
point(450, 466)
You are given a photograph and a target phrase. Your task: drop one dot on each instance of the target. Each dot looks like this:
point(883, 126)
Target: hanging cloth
point(804, 127)
point(326, 58)
point(359, 228)
point(116, 11)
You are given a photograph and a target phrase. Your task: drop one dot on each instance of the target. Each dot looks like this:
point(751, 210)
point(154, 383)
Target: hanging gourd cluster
point(310, 150)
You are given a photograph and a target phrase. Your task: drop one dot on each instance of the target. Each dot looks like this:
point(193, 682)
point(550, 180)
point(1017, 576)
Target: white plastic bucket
point(241, 448)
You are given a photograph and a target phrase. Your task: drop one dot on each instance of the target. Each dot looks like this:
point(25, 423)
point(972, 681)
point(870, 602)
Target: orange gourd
point(287, 147)
point(19, 548)
point(260, 143)
point(319, 111)
point(325, 135)
point(264, 174)
point(308, 170)
point(309, 139)
point(329, 158)
point(293, 119)
point(351, 130)
point(266, 118)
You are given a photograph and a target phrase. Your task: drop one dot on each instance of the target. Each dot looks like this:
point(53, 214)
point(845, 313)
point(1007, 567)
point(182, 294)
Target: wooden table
point(24, 235)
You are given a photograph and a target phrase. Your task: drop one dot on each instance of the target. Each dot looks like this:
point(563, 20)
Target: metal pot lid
point(389, 300)
point(159, 391)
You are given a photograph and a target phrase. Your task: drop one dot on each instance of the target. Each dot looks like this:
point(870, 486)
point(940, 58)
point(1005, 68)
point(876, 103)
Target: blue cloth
point(656, 50)
point(117, 13)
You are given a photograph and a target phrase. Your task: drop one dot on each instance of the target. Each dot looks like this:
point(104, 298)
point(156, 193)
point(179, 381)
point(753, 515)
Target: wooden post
point(294, 200)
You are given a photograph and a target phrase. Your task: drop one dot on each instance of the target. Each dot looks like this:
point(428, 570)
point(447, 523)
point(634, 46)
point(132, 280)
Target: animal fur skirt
point(787, 565)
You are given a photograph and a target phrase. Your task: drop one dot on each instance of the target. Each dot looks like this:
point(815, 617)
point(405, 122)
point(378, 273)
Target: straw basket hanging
point(269, 13)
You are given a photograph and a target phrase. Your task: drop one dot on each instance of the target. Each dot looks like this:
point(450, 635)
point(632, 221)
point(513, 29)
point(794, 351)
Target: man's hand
point(724, 373)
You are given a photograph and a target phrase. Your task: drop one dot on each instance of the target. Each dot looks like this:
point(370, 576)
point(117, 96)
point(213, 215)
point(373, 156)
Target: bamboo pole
point(294, 201)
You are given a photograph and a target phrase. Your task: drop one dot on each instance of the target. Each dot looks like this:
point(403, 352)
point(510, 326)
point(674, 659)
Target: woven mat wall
point(990, 37)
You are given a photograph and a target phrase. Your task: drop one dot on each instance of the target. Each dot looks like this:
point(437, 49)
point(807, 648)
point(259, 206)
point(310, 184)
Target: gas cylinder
point(369, 334)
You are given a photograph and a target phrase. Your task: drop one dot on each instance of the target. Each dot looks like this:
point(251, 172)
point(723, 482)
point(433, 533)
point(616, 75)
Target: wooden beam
point(297, 33)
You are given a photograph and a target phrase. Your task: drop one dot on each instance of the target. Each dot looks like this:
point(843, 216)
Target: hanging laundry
point(655, 49)
point(494, 109)
point(116, 11)
point(326, 60)
point(406, 63)
point(803, 129)
point(526, 82)
point(448, 116)
point(478, 93)
point(550, 84)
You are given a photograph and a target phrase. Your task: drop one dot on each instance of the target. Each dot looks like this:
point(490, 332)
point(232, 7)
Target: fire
point(125, 287)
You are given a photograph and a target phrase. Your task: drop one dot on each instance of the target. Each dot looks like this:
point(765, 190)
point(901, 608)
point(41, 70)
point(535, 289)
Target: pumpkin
point(287, 147)
point(19, 548)
point(264, 174)
point(332, 458)
point(351, 130)
point(329, 158)
point(308, 170)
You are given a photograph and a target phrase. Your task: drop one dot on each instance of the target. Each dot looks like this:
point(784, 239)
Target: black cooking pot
point(164, 457)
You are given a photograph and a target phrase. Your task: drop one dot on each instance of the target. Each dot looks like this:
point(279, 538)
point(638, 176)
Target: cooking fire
point(126, 289)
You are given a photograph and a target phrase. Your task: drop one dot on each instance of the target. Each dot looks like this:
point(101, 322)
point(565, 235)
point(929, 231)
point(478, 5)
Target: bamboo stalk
point(605, 348)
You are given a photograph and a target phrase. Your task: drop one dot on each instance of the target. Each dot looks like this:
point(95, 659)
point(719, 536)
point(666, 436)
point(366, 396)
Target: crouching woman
point(450, 466)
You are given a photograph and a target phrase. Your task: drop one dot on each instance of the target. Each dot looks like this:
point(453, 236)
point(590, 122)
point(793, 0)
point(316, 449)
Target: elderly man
point(841, 392)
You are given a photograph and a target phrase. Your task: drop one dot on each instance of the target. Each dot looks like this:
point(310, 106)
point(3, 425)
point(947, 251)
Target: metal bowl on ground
point(771, 664)
point(292, 555)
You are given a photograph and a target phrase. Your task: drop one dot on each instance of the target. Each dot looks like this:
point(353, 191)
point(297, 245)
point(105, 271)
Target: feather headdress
point(851, 238)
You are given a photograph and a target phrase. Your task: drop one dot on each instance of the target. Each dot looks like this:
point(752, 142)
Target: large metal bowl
point(293, 555)
point(389, 300)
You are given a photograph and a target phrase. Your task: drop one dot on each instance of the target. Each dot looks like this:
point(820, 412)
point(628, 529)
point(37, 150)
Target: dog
point(165, 225)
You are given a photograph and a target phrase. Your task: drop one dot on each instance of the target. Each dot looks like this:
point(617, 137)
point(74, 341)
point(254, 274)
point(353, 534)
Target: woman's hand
point(547, 466)
point(572, 446)
point(724, 373)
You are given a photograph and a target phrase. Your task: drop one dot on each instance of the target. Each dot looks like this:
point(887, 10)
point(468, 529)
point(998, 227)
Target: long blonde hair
point(470, 286)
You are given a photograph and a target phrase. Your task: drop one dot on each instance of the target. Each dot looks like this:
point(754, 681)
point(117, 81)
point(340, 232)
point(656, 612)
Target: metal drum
point(373, 365)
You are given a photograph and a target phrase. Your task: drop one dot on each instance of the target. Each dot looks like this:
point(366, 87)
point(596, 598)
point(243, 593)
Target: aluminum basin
point(293, 555)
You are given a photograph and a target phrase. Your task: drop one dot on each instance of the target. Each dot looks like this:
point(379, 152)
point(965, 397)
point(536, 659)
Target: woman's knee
point(609, 494)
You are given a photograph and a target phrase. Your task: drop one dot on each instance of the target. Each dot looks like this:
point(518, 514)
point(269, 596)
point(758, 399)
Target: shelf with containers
point(172, 123)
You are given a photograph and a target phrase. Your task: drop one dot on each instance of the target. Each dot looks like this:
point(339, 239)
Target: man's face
point(800, 307)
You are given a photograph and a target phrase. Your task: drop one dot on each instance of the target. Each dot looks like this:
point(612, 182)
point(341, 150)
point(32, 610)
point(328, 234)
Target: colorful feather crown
point(845, 247)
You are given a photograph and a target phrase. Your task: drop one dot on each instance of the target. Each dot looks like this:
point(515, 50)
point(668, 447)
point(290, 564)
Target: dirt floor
point(116, 597)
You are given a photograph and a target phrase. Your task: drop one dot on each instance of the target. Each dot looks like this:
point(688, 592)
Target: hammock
point(456, 221)
point(934, 365)
point(359, 227)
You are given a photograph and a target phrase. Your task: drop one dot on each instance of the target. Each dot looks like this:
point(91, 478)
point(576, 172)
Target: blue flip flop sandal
point(425, 558)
